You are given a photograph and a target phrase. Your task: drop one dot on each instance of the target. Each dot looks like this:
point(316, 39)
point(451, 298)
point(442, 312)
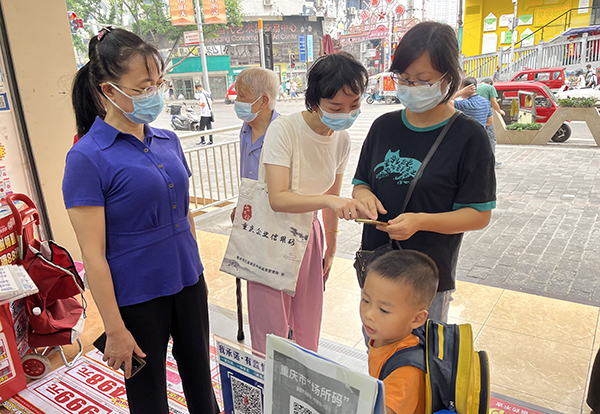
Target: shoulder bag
point(364, 257)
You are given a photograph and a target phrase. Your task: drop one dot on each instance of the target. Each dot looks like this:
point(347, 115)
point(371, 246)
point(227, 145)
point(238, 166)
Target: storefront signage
point(302, 47)
point(309, 48)
point(287, 31)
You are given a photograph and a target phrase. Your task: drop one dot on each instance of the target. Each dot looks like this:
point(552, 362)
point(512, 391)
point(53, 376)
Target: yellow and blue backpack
point(457, 377)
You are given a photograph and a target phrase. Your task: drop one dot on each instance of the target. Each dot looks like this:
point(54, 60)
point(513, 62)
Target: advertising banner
point(214, 12)
point(182, 12)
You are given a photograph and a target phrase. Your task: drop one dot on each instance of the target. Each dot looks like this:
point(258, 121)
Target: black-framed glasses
point(405, 82)
point(150, 91)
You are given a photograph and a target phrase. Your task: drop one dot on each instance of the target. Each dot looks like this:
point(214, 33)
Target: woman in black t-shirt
point(457, 189)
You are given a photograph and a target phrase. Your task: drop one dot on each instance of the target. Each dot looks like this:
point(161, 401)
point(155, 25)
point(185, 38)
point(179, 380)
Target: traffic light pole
point(206, 85)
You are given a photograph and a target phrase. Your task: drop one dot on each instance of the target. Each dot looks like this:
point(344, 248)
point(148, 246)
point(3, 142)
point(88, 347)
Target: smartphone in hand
point(137, 363)
point(372, 222)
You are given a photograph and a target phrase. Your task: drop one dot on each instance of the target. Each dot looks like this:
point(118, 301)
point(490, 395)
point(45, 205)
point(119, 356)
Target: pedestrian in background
point(487, 90)
point(206, 115)
point(497, 73)
point(456, 191)
point(126, 191)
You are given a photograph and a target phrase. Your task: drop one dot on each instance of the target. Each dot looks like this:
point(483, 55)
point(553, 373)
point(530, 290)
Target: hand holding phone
point(137, 363)
point(372, 222)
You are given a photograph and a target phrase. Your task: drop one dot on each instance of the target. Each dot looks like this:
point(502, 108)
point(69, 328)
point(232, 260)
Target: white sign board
point(490, 22)
point(506, 20)
point(191, 38)
point(489, 43)
point(527, 38)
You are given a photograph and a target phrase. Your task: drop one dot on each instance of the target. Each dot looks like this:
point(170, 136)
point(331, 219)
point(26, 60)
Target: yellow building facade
point(486, 22)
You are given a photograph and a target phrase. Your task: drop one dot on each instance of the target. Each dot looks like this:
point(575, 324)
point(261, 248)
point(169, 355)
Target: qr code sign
point(300, 407)
point(247, 399)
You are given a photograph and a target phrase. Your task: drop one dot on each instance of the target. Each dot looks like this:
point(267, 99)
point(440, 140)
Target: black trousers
point(593, 398)
point(183, 316)
point(206, 124)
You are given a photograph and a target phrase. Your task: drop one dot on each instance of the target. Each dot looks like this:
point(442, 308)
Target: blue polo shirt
point(476, 107)
point(143, 187)
point(249, 152)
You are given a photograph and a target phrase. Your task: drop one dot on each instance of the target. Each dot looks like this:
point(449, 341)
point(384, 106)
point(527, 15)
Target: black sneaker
point(201, 143)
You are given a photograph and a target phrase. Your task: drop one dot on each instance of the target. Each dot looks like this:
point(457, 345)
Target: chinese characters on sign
point(182, 12)
point(283, 32)
point(214, 12)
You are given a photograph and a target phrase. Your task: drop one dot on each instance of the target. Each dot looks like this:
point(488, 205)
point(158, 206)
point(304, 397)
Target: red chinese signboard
point(214, 12)
point(182, 12)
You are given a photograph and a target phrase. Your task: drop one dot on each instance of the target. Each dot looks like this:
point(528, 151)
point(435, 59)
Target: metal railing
point(574, 54)
point(215, 171)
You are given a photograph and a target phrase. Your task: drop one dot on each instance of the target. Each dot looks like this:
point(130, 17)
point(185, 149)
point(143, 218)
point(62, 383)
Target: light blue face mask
point(339, 121)
point(145, 109)
point(419, 99)
point(243, 110)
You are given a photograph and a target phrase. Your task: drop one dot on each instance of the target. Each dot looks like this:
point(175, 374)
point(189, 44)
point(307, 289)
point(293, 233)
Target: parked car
point(545, 100)
point(231, 95)
point(554, 78)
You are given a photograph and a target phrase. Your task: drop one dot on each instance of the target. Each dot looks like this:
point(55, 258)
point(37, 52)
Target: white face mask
point(421, 98)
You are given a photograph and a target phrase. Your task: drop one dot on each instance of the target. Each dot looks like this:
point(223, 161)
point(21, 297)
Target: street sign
point(268, 49)
point(309, 48)
point(191, 38)
point(302, 44)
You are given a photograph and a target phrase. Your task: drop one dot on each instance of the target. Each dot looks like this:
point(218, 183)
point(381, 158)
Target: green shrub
point(523, 127)
point(577, 102)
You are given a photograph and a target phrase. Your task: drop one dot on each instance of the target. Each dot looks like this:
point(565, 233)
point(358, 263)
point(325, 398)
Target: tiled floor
point(540, 349)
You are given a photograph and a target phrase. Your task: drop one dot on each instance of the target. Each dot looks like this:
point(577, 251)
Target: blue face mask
point(243, 110)
point(341, 121)
point(145, 109)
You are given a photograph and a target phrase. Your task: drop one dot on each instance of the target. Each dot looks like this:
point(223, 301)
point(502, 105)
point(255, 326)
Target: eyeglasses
point(405, 82)
point(150, 91)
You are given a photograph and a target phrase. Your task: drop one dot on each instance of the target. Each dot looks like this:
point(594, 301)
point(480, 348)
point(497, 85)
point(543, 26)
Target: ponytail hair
point(110, 53)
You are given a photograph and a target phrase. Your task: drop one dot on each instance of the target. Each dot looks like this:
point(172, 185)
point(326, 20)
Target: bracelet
point(331, 231)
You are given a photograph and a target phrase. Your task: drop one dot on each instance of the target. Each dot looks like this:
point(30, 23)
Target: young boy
point(398, 290)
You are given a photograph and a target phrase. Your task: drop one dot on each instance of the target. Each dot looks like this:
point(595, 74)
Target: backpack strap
point(413, 356)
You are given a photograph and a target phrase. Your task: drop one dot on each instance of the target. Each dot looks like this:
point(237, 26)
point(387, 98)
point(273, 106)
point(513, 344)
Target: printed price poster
point(89, 386)
point(242, 377)
point(498, 406)
point(300, 381)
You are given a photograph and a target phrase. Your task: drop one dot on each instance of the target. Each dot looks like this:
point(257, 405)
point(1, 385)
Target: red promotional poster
point(12, 378)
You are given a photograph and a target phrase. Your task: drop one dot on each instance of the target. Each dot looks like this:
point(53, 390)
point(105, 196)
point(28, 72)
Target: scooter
point(190, 121)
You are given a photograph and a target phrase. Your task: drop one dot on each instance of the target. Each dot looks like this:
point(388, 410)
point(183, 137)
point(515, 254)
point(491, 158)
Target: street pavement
point(544, 235)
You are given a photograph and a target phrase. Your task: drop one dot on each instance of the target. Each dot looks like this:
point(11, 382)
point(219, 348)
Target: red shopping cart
point(56, 317)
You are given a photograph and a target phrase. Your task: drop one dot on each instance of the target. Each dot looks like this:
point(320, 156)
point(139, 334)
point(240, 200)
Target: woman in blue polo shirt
point(126, 191)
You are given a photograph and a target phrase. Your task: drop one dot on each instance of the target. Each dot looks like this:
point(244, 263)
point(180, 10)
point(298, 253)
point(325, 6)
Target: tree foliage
point(151, 20)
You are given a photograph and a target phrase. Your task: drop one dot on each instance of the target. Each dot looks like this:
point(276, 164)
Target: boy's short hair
point(411, 268)
point(489, 81)
point(468, 81)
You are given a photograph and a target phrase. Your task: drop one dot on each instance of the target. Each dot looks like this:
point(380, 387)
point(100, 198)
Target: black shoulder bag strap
point(207, 102)
point(428, 157)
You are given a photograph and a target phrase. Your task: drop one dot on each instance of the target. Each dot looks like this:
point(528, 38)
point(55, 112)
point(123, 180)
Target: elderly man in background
point(257, 90)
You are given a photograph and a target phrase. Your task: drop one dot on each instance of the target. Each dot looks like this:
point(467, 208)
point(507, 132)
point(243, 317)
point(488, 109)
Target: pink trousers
point(272, 311)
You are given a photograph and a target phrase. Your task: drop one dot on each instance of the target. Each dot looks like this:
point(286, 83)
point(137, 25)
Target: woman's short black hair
point(437, 39)
point(332, 73)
